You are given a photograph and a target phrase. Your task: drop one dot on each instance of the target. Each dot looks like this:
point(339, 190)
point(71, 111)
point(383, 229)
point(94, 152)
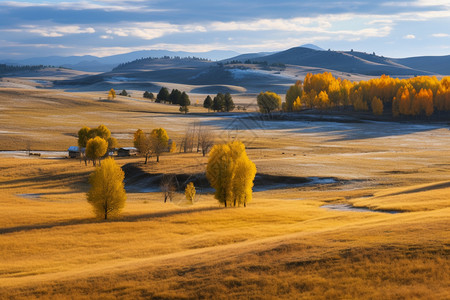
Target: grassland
point(283, 245)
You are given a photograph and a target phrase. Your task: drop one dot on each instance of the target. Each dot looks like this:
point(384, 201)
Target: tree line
point(417, 96)
point(144, 60)
point(4, 68)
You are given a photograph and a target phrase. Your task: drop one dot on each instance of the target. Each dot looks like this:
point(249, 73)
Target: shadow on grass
point(124, 219)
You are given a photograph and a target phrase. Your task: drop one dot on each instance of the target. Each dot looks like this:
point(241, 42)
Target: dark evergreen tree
point(123, 93)
point(163, 95)
point(175, 97)
point(228, 102)
point(218, 102)
point(208, 103)
point(184, 102)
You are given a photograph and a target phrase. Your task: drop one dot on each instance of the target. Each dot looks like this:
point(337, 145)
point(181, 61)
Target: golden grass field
point(283, 245)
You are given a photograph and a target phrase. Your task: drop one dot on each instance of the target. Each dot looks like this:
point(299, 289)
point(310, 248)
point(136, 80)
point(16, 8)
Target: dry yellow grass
point(283, 245)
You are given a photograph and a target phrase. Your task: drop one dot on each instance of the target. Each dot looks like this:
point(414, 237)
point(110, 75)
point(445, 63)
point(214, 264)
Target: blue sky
point(106, 27)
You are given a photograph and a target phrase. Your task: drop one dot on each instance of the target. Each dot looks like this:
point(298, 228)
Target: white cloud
point(56, 31)
point(409, 36)
point(440, 35)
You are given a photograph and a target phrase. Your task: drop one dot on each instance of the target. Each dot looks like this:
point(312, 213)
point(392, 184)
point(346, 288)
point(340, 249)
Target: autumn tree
point(107, 193)
point(83, 136)
point(377, 106)
point(268, 102)
point(141, 142)
point(189, 192)
point(96, 148)
point(111, 94)
point(205, 139)
point(159, 141)
point(322, 101)
point(168, 186)
point(208, 103)
point(295, 91)
point(297, 105)
point(231, 173)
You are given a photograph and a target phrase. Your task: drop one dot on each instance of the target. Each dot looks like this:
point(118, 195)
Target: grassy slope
point(283, 245)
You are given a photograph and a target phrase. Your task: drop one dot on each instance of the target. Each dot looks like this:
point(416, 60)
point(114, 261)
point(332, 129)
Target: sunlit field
point(297, 241)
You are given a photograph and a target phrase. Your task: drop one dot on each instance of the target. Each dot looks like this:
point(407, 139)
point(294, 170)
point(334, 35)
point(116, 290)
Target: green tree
point(228, 102)
point(159, 141)
point(231, 173)
point(219, 102)
point(268, 102)
point(149, 95)
point(107, 194)
point(190, 192)
point(163, 95)
point(175, 97)
point(95, 149)
point(208, 103)
point(184, 103)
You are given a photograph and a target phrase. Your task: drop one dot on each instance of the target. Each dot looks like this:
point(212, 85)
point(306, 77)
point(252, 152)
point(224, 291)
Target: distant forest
point(4, 68)
point(151, 59)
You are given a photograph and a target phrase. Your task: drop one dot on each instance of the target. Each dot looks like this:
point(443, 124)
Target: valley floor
point(283, 245)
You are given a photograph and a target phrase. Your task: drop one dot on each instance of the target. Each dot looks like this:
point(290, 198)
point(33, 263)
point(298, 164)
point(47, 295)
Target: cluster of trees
point(141, 61)
point(153, 143)
point(231, 173)
point(149, 95)
point(418, 96)
point(175, 97)
point(4, 68)
point(221, 102)
point(97, 143)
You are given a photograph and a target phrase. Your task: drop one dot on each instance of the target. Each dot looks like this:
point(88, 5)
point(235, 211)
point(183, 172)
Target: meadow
point(284, 244)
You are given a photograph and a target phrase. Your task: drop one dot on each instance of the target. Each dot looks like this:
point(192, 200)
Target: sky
point(36, 28)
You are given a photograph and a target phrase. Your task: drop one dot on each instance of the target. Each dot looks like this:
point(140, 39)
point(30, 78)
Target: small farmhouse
point(127, 151)
point(74, 151)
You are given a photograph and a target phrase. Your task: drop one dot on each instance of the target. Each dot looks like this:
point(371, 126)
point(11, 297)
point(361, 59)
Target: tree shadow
point(337, 128)
point(127, 218)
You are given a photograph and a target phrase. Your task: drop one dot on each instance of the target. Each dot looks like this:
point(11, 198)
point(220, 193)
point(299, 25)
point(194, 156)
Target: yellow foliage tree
point(112, 94)
point(231, 173)
point(295, 91)
point(107, 194)
point(190, 192)
point(322, 101)
point(159, 141)
point(141, 142)
point(268, 102)
point(377, 106)
point(297, 105)
point(96, 148)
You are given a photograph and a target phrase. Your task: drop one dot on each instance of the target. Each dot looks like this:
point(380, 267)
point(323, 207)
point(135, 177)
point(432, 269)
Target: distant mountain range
point(353, 62)
point(103, 64)
point(308, 55)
